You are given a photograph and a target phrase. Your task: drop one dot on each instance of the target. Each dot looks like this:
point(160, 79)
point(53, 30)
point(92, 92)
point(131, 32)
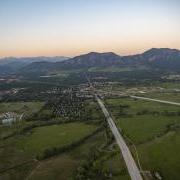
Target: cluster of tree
point(69, 106)
point(92, 168)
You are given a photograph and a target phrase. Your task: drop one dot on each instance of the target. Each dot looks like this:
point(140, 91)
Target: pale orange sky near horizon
point(70, 28)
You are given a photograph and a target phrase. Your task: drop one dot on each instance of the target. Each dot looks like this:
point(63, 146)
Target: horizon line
point(38, 56)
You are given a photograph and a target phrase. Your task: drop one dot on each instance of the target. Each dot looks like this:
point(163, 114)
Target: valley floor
point(64, 135)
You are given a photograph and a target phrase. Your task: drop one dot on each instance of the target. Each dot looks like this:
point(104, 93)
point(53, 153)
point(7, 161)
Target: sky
point(73, 27)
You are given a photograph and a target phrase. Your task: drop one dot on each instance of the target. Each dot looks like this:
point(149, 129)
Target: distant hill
point(93, 59)
point(162, 59)
point(12, 64)
point(28, 60)
point(85, 61)
point(158, 58)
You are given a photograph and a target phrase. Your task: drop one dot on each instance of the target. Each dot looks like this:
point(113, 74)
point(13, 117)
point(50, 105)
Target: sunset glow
point(69, 28)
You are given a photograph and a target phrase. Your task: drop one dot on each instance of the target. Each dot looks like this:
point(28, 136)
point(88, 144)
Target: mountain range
point(13, 64)
point(156, 58)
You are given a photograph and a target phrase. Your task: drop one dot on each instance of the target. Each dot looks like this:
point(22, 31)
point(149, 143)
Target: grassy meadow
point(154, 129)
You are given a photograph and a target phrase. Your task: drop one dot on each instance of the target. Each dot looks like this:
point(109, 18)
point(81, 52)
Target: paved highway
point(130, 163)
point(156, 100)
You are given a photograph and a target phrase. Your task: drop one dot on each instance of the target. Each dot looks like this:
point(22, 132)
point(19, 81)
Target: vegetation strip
point(58, 150)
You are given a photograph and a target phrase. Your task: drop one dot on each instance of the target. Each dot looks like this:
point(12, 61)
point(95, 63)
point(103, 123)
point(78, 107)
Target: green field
point(146, 127)
point(64, 166)
point(139, 105)
point(162, 155)
point(173, 96)
point(6, 131)
point(154, 128)
point(170, 92)
point(39, 139)
point(28, 108)
point(23, 148)
point(21, 107)
point(170, 85)
point(155, 134)
point(53, 136)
